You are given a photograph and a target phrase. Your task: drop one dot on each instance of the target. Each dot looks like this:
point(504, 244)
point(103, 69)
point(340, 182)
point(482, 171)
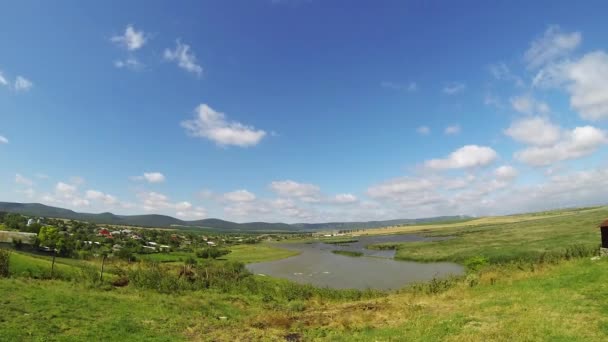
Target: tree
point(212, 252)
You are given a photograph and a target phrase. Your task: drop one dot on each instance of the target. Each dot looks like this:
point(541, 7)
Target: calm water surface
point(317, 265)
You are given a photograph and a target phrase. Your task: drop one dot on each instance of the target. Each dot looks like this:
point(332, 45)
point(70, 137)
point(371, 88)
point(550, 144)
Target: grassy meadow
point(517, 294)
point(504, 239)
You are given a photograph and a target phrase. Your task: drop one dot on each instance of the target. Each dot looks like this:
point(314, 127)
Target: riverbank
point(565, 301)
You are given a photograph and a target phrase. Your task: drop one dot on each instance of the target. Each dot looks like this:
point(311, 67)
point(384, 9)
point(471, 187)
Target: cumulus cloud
point(151, 201)
point(528, 105)
point(96, 195)
point(184, 58)
point(398, 187)
point(239, 196)
point(552, 45)
point(580, 142)
point(150, 177)
point(19, 179)
point(585, 79)
point(214, 126)
point(453, 88)
point(465, 157)
point(534, 131)
point(344, 199)
point(289, 188)
point(22, 84)
point(3, 140)
point(423, 130)
point(505, 173)
point(131, 40)
point(452, 130)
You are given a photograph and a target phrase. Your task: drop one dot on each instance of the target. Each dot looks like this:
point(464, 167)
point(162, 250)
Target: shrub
point(474, 264)
point(212, 252)
point(17, 243)
point(5, 257)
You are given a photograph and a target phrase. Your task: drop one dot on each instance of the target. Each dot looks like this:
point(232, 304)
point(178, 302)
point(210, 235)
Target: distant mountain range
point(163, 221)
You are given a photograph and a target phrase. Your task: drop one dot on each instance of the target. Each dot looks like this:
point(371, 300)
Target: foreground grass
point(564, 302)
point(526, 239)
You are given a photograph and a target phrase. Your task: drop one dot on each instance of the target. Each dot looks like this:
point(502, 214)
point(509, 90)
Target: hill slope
point(153, 220)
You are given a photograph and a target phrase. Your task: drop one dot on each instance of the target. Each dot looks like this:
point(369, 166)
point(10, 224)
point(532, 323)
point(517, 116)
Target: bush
point(17, 243)
point(476, 263)
point(212, 253)
point(5, 257)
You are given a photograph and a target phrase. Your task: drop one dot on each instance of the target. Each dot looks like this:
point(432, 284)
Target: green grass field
point(523, 300)
point(521, 237)
point(258, 253)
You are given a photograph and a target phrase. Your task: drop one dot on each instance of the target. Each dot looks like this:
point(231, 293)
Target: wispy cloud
point(409, 87)
point(454, 88)
point(552, 45)
point(130, 63)
point(423, 130)
point(184, 58)
point(452, 130)
point(3, 80)
point(3, 140)
point(22, 84)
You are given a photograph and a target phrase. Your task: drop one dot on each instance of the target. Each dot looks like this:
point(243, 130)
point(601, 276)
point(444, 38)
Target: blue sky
point(303, 110)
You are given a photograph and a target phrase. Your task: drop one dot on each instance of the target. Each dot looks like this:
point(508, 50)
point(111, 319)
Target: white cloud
point(239, 196)
point(465, 157)
point(453, 129)
point(454, 88)
point(184, 57)
point(22, 84)
point(156, 202)
point(66, 194)
point(154, 177)
point(505, 173)
point(19, 179)
point(3, 140)
point(65, 190)
point(579, 142)
point(289, 188)
point(587, 82)
point(501, 72)
point(100, 196)
point(534, 131)
point(150, 177)
point(528, 105)
point(398, 187)
point(3, 80)
point(409, 87)
point(214, 126)
point(344, 199)
point(423, 130)
point(131, 40)
point(129, 63)
point(552, 45)
point(192, 213)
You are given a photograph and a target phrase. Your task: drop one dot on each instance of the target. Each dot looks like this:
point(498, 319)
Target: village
point(85, 240)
